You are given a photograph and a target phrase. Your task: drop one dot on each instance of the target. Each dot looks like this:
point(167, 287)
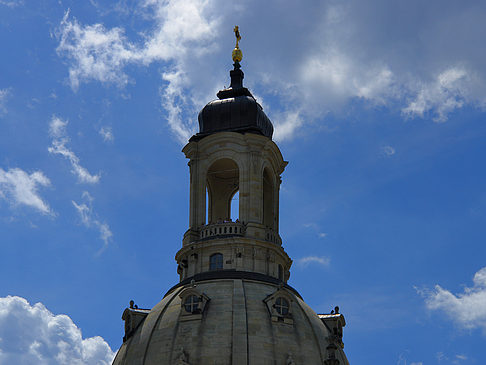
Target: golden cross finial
point(237, 54)
point(238, 37)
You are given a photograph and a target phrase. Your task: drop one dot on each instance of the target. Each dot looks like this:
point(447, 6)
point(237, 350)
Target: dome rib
point(157, 321)
point(235, 328)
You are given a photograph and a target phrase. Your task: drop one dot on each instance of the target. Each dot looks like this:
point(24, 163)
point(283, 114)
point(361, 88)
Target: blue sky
point(379, 107)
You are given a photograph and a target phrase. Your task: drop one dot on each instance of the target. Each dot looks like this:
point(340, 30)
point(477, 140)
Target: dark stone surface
point(235, 110)
point(232, 274)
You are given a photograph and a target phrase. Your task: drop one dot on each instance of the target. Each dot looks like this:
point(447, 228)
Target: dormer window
point(191, 304)
point(279, 306)
point(282, 306)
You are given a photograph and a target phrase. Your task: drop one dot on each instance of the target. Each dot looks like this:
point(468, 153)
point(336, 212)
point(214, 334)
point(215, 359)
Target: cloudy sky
point(379, 106)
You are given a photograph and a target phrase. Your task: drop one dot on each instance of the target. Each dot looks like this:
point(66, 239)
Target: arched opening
point(235, 206)
point(222, 185)
point(268, 200)
point(216, 261)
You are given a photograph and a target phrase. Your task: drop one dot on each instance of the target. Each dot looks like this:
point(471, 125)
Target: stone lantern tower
point(233, 304)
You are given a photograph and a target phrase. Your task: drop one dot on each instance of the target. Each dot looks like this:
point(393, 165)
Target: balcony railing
point(271, 236)
point(225, 229)
point(222, 229)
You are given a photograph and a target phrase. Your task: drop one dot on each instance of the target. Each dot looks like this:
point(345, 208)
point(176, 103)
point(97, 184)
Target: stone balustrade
point(271, 236)
point(222, 229)
point(225, 229)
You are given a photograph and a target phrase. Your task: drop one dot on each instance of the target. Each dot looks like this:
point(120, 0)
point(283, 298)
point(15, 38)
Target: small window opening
point(191, 304)
point(216, 262)
point(282, 306)
point(280, 272)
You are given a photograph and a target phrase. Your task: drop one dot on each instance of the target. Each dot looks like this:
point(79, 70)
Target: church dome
point(232, 304)
point(235, 110)
point(239, 319)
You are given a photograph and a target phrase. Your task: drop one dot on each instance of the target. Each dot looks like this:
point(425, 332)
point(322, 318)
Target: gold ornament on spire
point(237, 54)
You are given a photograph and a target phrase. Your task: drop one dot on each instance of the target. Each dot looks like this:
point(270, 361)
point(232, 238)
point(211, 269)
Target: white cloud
point(440, 356)
point(377, 55)
point(441, 96)
point(107, 134)
point(90, 219)
point(60, 139)
point(467, 309)
point(184, 32)
point(21, 188)
point(337, 78)
point(344, 52)
point(12, 3)
point(31, 334)
point(4, 93)
point(353, 57)
point(97, 53)
point(57, 128)
point(320, 260)
point(454, 359)
point(316, 228)
point(286, 125)
point(402, 359)
point(388, 151)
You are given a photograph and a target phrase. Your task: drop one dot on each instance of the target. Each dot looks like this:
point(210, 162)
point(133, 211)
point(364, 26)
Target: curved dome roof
point(237, 322)
point(232, 304)
point(235, 110)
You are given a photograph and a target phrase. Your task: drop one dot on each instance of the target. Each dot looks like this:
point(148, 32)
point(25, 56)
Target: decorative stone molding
point(334, 322)
point(239, 253)
point(193, 303)
point(182, 359)
point(133, 316)
point(250, 154)
point(223, 229)
point(279, 305)
point(331, 355)
point(272, 236)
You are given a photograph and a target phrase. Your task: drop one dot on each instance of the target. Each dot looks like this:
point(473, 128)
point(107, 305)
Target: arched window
point(216, 262)
point(223, 179)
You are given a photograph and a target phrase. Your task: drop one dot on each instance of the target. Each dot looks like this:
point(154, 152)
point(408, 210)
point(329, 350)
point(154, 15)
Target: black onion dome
point(235, 110)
